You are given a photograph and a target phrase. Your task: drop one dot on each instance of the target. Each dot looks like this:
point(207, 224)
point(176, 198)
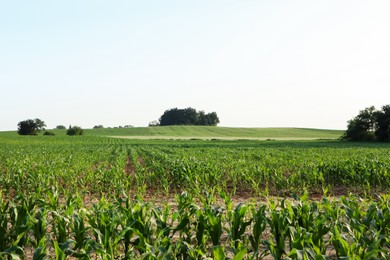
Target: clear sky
point(256, 63)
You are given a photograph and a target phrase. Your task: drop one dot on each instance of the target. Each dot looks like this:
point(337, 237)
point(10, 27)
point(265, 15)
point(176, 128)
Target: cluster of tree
point(187, 116)
point(31, 126)
point(34, 126)
point(75, 130)
point(369, 125)
point(101, 127)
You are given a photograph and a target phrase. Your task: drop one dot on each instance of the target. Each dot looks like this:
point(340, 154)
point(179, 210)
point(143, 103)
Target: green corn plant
point(20, 222)
point(302, 246)
point(259, 221)
point(53, 198)
point(79, 230)
point(214, 223)
point(307, 215)
point(126, 221)
point(367, 241)
point(163, 221)
point(182, 216)
point(200, 229)
point(213, 219)
point(165, 249)
point(238, 224)
point(382, 216)
point(240, 254)
point(142, 226)
point(60, 226)
point(5, 240)
point(41, 251)
point(193, 252)
point(136, 222)
point(341, 245)
point(104, 223)
point(39, 226)
point(363, 229)
point(14, 252)
point(59, 253)
point(278, 223)
point(219, 253)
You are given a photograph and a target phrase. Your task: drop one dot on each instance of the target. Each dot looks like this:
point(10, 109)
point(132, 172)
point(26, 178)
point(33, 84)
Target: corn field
point(106, 198)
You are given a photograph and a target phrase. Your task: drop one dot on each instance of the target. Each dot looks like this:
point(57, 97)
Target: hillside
point(206, 132)
point(210, 132)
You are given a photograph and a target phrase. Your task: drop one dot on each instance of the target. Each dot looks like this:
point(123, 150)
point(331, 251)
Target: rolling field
point(96, 197)
point(210, 132)
point(207, 132)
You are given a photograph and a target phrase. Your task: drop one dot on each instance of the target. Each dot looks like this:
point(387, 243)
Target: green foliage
point(369, 125)
point(84, 198)
point(49, 133)
point(213, 132)
point(123, 228)
point(30, 126)
point(188, 116)
point(59, 127)
point(75, 130)
point(382, 131)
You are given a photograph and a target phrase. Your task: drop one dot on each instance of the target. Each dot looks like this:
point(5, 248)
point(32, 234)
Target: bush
point(75, 130)
point(369, 125)
point(30, 126)
point(48, 133)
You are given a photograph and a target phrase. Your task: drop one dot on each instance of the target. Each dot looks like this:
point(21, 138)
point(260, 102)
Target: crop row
point(113, 166)
point(195, 228)
point(74, 197)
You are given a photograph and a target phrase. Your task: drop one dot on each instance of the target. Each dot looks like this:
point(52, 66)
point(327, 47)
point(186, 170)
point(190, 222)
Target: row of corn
point(111, 166)
point(194, 228)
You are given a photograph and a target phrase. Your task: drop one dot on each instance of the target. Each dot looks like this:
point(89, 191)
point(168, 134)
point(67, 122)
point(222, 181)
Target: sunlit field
point(212, 132)
point(97, 197)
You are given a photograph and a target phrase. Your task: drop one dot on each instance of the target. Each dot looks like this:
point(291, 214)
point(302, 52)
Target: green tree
point(30, 126)
point(75, 130)
point(212, 119)
point(382, 131)
point(40, 124)
point(188, 116)
point(362, 127)
point(369, 125)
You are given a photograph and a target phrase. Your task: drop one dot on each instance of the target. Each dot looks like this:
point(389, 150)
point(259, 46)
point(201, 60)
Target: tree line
point(34, 126)
point(187, 116)
point(369, 125)
point(175, 116)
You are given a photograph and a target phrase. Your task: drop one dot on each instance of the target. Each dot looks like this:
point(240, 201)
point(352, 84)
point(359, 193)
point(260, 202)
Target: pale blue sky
point(256, 63)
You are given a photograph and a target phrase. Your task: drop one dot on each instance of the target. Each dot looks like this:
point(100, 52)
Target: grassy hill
point(210, 132)
point(205, 132)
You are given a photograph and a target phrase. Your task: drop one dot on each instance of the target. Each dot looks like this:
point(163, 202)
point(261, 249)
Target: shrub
point(75, 130)
point(30, 126)
point(48, 133)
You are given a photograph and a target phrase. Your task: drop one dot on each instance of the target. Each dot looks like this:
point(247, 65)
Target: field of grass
point(107, 198)
point(211, 132)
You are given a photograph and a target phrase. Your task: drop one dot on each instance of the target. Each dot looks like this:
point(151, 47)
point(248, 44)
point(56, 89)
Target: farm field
point(212, 132)
point(96, 197)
